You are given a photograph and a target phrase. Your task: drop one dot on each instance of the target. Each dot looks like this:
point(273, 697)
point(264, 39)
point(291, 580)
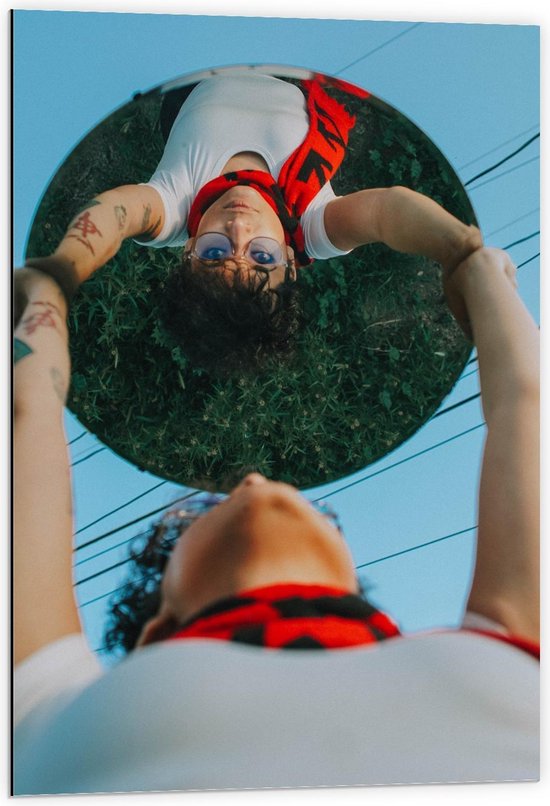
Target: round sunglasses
point(212, 248)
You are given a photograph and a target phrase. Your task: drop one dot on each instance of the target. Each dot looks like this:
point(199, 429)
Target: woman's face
point(264, 533)
point(242, 214)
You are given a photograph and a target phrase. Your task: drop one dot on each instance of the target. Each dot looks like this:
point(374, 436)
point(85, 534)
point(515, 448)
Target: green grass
point(378, 352)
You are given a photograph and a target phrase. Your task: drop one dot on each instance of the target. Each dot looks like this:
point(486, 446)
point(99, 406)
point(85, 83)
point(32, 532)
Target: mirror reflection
point(261, 238)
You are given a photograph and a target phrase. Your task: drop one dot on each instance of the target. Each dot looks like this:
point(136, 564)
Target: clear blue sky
point(472, 88)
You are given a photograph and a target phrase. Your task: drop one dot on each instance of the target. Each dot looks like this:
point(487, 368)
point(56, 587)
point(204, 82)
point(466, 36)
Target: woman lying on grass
point(243, 187)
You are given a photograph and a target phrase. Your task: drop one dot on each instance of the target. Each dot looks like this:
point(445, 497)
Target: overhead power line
point(85, 458)
point(117, 509)
point(102, 596)
point(501, 145)
point(472, 372)
point(515, 221)
point(401, 462)
point(529, 260)
point(132, 522)
point(415, 548)
point(82, 452)
point(111, 548)
point(505, 173)
point(83, 434)
point(456, 405)
point(522, 240)
point(379, 47)
point(127, 559)
point(502, 161)
point(100, 573)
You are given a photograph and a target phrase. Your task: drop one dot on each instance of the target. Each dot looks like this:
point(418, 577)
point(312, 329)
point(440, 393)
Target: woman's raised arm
point(505, 585)
point(44, 604)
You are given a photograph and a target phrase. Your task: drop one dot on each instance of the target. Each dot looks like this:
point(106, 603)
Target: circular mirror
point(375, 352)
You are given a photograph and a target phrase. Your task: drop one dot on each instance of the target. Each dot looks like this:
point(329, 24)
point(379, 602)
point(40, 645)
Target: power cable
point(103, 596)
point(515, 221)
point(83, 434)
point(525, 262)
point(502, 161)
point(462, 377)
point(117, 509)
point(456, 405)
point(375, 50)
point(401, 462)
point(111, 548)
point(522, 240)
point(82, 452)
point(501, 145)
point(131, 523)
point(415, 548)
point(505, 173)
point(100, 573)
point(79, 461)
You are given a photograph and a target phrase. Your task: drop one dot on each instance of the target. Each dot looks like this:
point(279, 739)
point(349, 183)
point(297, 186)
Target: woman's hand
point(455, 281)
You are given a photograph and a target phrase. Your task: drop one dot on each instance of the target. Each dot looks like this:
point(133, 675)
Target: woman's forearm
point(94, 235)
point(96, 232)
point(506, 337)
point(402, 219)
point(413, 223)
point(505, 585)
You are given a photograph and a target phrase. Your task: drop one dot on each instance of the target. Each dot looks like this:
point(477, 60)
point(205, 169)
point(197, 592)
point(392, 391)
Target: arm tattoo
point(87, 206)
point(146, 217)
point(86, 227)
point(20, 350)
point(44, 317)
point(120, 213)
point(86, 242)
point(149, 232)
point(58, 384)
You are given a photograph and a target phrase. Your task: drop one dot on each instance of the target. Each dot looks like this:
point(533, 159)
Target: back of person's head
point(225, 327)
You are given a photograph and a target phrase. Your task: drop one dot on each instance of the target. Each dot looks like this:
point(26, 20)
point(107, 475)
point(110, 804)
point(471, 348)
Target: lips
point(238, 206)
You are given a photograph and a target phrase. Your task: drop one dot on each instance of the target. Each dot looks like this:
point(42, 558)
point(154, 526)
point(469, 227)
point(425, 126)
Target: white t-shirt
point(205, 714)
point(223, 116)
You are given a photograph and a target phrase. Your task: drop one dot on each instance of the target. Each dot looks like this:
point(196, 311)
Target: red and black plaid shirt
point(291, 616)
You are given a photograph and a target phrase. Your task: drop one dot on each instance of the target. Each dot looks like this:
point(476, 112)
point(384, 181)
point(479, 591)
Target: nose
point(238, 227)
point(250, 480)
point(253, 479)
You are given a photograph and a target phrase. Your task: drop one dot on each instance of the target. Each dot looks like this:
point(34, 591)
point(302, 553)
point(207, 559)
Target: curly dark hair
point(140, 598)
point(228, 327)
